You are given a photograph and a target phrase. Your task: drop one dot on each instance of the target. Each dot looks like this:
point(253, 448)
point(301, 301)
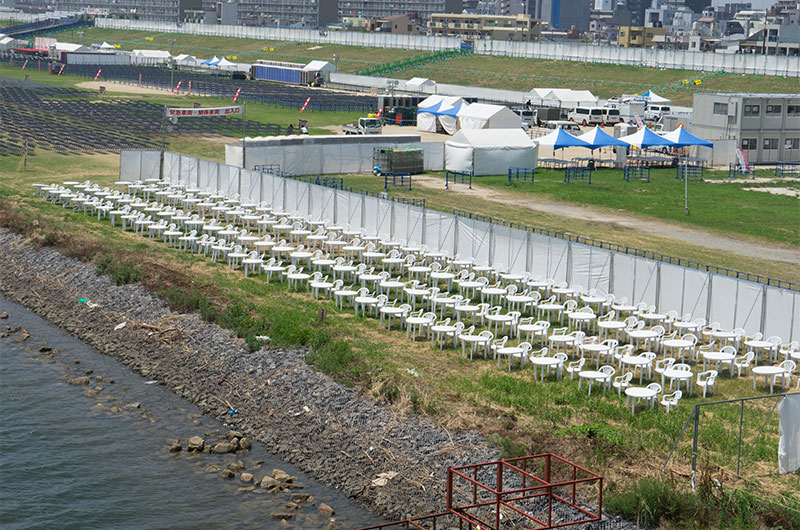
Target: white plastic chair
point(671, 400)
point(575, 366)
point(705, 380)
point(744, 362)
point(622, 382)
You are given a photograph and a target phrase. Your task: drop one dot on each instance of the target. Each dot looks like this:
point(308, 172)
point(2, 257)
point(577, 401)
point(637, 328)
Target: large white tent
point(185, 60)
point(419, 84)
point(150, 57)
point(325, 67)
point(489, 152)
point(484, 116)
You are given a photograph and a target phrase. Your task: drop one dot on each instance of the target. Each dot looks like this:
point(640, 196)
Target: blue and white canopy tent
point(434, 107)
point(559, 139)
point(652, 97)
point(448, 115)
point(680, 137)
point(644, 138)
point(598, 138)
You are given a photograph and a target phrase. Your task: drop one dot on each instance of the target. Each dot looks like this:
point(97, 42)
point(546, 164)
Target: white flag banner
point(194, 113)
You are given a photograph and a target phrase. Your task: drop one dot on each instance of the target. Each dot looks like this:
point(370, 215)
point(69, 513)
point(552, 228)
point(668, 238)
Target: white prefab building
point(324, 67)
point(483, 116)
point(489, 152)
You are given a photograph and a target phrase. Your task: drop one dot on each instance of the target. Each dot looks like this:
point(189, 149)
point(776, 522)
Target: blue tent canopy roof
point(433, 109)
point(682, 138)
point(597, 137)
point(560, 139)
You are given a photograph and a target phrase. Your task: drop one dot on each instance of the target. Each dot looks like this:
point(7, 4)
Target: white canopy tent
point(150, 57)
point(107, 46)
point(489, 152)
point(483, 116)
point(419, 84)
point(562, 97)
point(186, 60)
point(320, 66)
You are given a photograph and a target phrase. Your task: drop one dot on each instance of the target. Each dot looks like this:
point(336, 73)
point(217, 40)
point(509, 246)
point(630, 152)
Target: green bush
point(122, 272)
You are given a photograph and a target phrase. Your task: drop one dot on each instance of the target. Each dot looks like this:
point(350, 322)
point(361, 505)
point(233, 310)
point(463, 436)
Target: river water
point(68, 461)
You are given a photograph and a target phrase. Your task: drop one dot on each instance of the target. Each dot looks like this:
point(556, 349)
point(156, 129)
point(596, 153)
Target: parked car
point(654, 112)
point(570, 127)
point(528, 117)
point(611, 116)
point(586, 115)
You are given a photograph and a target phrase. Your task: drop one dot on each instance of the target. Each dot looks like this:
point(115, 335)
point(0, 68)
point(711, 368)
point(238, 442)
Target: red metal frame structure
point(539, 492)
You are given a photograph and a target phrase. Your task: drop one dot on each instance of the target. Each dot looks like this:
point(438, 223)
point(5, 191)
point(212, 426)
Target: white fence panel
point(782, 316)
point(723, 300)
point(645, 281)
point(250, 186)
point(189, 167)
point(624, 270)
point(474, 239)
point(229, 180)
point(590, 267)
point(207, 175)
point(672, 293)
point(548, 257)
point(439, 231)
point(173, 169)
point(749, 303)
point(130, 169)
point(415, 223)
point(322, 200)
point(150, 164)
point(278, 188)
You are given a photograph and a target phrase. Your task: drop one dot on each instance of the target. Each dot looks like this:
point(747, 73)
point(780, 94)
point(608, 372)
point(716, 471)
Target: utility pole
point(171, 65)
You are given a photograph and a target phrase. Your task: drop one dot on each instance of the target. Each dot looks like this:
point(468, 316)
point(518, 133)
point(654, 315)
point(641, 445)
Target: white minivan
point(654, 112)
point(611, 116)
point(586, 115)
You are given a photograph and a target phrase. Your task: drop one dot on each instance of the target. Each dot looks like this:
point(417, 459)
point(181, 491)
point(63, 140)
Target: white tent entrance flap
point(485, 152)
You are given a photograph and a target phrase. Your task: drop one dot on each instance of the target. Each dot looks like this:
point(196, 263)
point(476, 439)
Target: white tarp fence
point(716, 297)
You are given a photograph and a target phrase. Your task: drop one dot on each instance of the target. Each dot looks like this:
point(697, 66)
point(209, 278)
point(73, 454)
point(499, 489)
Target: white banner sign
point(193, 113)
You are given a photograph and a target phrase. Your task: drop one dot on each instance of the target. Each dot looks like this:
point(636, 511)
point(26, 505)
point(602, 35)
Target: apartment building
point(471, 27)
point(155, 10)
point(765, 126)
point(640, 36)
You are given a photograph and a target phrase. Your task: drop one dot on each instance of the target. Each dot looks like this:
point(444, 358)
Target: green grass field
point(604, 80)
point(350, 58)
point(518, 412)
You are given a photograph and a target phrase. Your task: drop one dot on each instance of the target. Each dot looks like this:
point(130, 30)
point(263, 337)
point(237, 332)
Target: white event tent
point(484, 116)
point(489, 152)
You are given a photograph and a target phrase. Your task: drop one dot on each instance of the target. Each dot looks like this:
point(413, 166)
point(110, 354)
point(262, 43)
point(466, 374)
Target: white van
point(611, 116)
point(654, 112)
point(570, 127)
point(527, 116)
point(586, 115)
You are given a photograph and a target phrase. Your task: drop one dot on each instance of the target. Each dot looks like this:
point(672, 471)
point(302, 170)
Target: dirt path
point(694, 236)
point(121, 88)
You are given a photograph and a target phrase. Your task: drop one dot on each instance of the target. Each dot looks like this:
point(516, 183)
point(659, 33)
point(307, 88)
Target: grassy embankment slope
point(604, 80)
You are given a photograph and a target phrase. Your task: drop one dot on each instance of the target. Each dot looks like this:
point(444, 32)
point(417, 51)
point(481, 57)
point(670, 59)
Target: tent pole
point(686, 185)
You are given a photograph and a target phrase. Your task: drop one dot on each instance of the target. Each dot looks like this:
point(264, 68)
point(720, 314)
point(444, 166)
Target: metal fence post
point(694, 445)
point(569, 262)
point(611, 271)
point(658, 286)
point(708, 298)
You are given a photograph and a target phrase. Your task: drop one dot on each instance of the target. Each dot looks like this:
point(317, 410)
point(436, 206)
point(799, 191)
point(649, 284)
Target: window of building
point(749, 143)
point(792, 143)
point(721, 108)
point(774, 109)
point(793, 110)
point(752, 110)
point(770, 144)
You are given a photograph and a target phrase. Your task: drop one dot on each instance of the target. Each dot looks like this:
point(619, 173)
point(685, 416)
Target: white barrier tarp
point(249, 185)
point(322, 200)
point(646, 281)
point(749, 301)
point(782, 316)
point(623, 286)
point(474, 239)
point(723, 300)
point(439, 231)
point(151, 165)
point(172, 170)
point(415, 223)
point(130, 165)
point(188, 169)
point(208, 175)
point(590, 267)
